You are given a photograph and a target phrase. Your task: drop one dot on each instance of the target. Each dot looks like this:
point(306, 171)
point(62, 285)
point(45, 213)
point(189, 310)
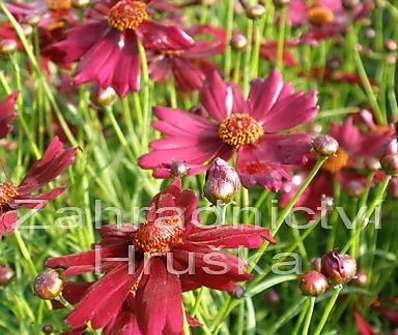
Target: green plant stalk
point(308, 317)
point(327, 311)
point(257, 46)
point(228, 48)
point(281, 39)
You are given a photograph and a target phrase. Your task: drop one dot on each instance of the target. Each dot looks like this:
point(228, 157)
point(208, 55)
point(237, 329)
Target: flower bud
point(355, 188)
point(47, 329)
point(237, 293)
point(238, 41)
point(6, 275)
point(373, 164)
point(27, 29)
point(370, 33)
point(106, 97)
point(8, 47)
point(222, 182)
point(254, 12)
point(313, 283)
point(391, 59)
point(179, 169)
point(390, 164)
point(339, 269)
point(325, 145)
point(350, 4)
point(316, 264)
point(33, 19)
point(391, 147)
point(334, 62)
point(281, 3)
point(272, 297)
point(360, 280)
point(48, 285)
point(390, 45)
point(80, 3)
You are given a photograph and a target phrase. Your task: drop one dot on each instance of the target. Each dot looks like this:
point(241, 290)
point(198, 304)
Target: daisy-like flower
point(7, 114)
point(54, 161)
point(325, 18)
point(51, 14)
point(106, 44)
point(188, 66)
point(148, 266)
point(250, 127)
point(354, 147)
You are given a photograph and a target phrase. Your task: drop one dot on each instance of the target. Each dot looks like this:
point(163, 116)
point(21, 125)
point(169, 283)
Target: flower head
point(54, 161)
point(7, 114)
point(106, 45)
point(147, 295)
point(250, 127)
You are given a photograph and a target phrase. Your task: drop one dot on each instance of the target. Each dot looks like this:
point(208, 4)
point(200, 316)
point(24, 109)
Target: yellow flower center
point(319, 15)
point(336, 162)
point(240, 129)
point(160, 236)
point(127, 14)
point(8, 191)
point(59, 4)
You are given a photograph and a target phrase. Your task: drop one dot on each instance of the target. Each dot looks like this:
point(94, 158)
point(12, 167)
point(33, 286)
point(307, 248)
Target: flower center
point(8, 191)
point(240, 129)
point(319, 15)
point(59, 4)
point(159, 236)
point(336, 162)
point(127, 14)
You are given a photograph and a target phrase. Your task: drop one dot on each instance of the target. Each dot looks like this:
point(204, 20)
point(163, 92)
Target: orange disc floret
point(127, 14)
point(8, 191)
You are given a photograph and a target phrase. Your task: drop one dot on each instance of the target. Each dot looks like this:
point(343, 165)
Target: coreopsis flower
point(354, 147)
point(106, 44)
point(54, 161)
point(268, 51)
point(325, 18)
point(48, 14)
point(250, 127)
point(147, 267)
point(7, 114)
point(189, 66)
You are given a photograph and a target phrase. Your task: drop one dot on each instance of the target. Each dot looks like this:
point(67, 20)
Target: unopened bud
point(27, 29)
point(178, 169)
point(47, 329)
point(272, 297)
point(238, 41)
point(48, 285)
point(370, 33)
point(222, 182)
point(325, 145)
point(390, 164)
point(339, 269)
point(33, 19)
point(313, 283)
point(390, 45)
point(373, 164)
point(316, 264)
point(8, 47)
point(6, 275)
point(106, 97)
point(254, 12)
point(237, 293)
point(80, 3)
point(350, 4)
point(360, 280)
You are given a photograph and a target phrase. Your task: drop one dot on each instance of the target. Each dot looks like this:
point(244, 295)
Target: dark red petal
point(7, 114)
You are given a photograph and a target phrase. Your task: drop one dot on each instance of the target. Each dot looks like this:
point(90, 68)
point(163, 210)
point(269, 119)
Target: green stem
point(327, 311)
point(308, 318)
point(228, 49)
point(281, 40)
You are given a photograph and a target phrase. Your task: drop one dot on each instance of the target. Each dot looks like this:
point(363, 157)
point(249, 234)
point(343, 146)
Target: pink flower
point(145, 266)
point(106, 44)
point(189, 66)
point(7, 114)
point(54, 161)
point(250, 127)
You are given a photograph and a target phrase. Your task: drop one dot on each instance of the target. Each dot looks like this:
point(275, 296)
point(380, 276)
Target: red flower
point(250, 127)
point(54, 161)
point(363, 327)
point(268, 51)
point(7, 114)
point(190, 65)
point(354, 147)
point(106, 44)
point(145, 292)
